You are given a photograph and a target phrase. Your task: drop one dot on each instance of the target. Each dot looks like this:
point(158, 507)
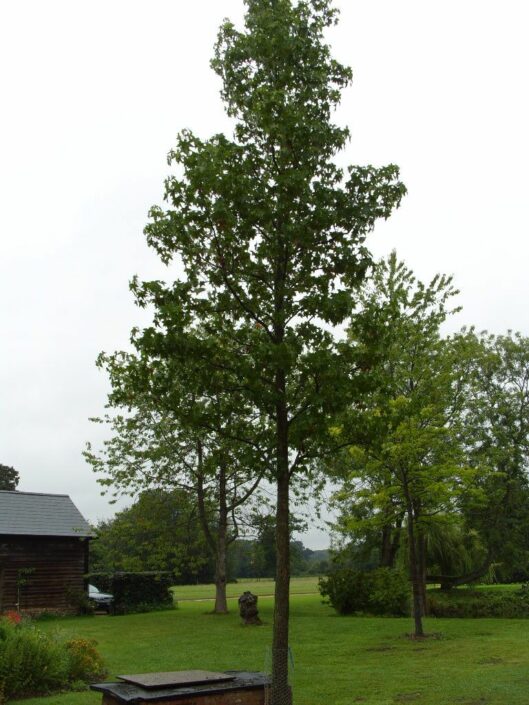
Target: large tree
point(270, 234)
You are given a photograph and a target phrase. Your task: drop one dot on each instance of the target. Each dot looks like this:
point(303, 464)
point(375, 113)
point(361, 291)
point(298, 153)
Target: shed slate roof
point(32, 514)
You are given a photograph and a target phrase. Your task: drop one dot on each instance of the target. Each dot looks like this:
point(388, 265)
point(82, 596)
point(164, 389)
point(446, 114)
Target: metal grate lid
point(175, 678)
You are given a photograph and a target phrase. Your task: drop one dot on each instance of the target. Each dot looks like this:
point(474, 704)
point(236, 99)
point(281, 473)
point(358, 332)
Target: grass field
point(261, 588)
point(495, 586)
point(337, 660)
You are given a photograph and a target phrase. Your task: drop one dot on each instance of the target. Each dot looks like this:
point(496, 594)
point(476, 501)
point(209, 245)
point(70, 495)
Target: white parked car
point(100, 600)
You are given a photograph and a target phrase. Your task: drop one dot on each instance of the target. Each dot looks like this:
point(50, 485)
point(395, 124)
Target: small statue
point(248, 608)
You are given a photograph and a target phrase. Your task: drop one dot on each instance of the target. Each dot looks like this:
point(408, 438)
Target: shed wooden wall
point(58, 564)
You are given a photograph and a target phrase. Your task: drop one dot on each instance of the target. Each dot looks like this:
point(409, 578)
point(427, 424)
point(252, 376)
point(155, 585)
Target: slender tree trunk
point(415, 581)
point(414, 567)
point(280, 688)
point(385, 547)
point(390, 542)
point(395, 542)
point(421, 561)
point(221, 603)
point(217, 544)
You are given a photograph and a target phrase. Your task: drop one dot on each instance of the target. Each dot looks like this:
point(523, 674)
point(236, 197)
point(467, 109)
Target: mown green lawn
point(263, 587)
point(337, 660)
point(494, 586)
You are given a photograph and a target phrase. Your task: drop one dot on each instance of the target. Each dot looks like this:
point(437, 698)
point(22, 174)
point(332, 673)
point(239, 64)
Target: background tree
point(270, 234)
point(9, 478)
point(261, 524)
point(497, 425)
point(160, 531)
point(150, 447)
point(409, 461)
point(493, 532)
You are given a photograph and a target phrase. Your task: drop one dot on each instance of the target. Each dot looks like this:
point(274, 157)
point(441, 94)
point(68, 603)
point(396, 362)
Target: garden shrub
point(137, 592)
point(33, 662)
point(79, 600)
point(464, 602)
point(84, 661)
point(382, 591)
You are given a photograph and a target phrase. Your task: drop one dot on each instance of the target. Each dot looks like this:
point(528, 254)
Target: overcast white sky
point(92, 97)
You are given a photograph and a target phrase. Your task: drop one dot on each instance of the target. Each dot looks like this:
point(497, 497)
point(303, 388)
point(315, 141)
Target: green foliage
point(442, 436)
point(382, 591)
point(466, 602)
point(408, 452)
point(136, 592)
point(497, 436)
point(408, 464)
point(85, 663)
point(33, 661)
point(9, 478)
point(159, 532)
point(257, 557)
point(453, 548)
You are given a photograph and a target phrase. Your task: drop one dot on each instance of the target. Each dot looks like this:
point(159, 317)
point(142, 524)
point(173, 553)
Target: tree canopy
point(9, 478)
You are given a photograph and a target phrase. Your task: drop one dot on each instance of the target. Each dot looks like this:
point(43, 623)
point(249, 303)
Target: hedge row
point(387, 592)
point(136, 592)
point(465, 602)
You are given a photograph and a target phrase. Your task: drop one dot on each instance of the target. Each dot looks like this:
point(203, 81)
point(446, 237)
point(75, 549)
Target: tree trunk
point(414, 568)
point(280, 694)
point(385, 548)
point(395, 543)
point(221, 603)
point(217, 544)
point(421, 566)
point(390, 543)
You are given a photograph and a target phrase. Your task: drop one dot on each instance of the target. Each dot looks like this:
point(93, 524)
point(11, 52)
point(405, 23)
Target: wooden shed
point(43, 552)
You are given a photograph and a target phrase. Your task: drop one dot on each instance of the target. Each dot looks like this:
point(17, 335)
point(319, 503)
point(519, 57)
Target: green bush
point(33, 662)
point(30, 661)
point(136, 592)
point(79, 600)
point(382, 591)
point(84, 661)
point(464, 602)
